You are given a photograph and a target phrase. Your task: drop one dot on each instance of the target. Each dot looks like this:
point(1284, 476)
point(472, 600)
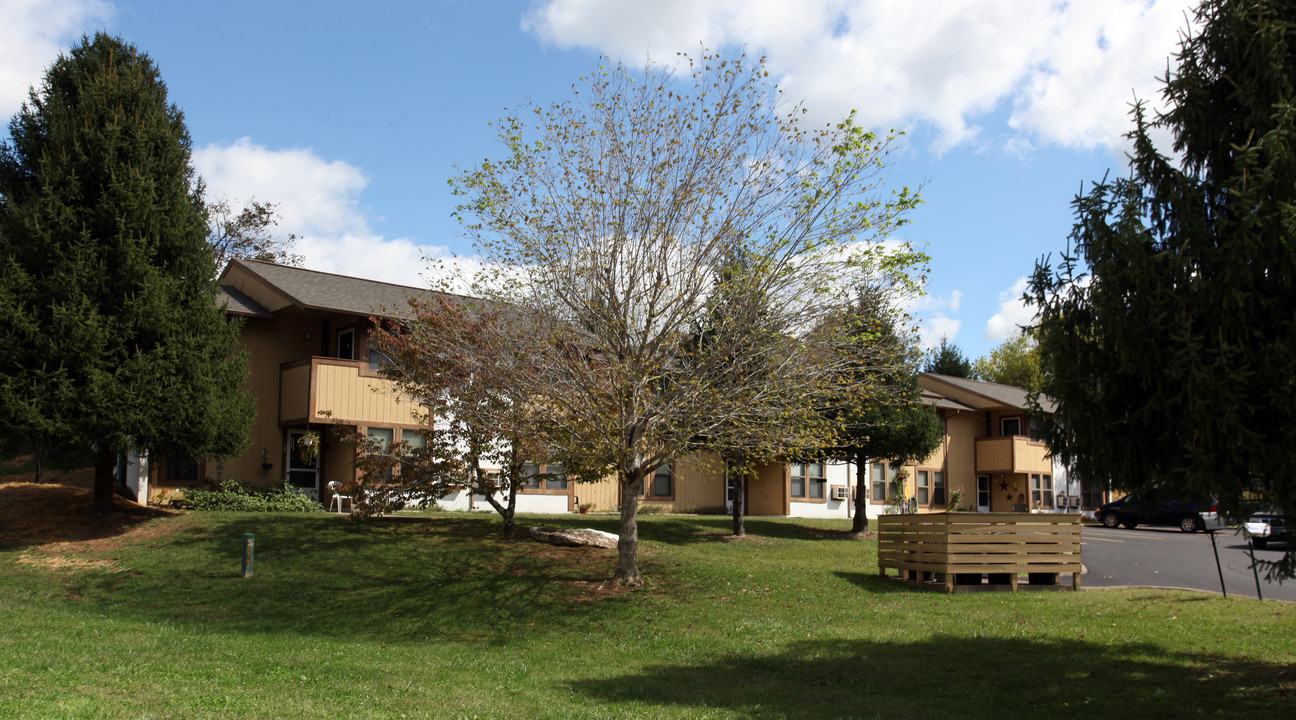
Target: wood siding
point(768, 493)
point(344, 394)
point(1013, 454)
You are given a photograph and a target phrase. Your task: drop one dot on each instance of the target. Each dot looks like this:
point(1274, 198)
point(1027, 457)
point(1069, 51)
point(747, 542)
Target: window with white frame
point(922, 482)
point(346, 344)
point(1042, 491)
point(1010, 426)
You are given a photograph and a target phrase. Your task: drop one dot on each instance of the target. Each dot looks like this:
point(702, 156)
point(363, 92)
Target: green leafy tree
point(1166, 332)
point(605, 226)
point(1014, 362)
point(110, 336)
point(948, 359)
point(883, 418)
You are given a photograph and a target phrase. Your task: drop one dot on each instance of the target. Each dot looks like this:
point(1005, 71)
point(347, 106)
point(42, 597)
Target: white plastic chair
point(334, 487)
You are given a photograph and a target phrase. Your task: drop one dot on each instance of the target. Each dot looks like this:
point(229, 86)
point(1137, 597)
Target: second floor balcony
point(1015, 454)
point(323, 389)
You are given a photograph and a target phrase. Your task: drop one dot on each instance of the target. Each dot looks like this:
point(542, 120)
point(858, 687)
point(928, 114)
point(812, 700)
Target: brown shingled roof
point(1008, 395)
point(315, 290)
point(236, 303)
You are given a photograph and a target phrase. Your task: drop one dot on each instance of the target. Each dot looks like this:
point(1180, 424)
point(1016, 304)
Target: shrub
point(239, 497)
point(708, 510)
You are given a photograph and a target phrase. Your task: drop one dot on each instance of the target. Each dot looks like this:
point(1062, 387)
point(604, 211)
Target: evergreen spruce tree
point(948, 359)
point(110, 336)
point(1168, 333)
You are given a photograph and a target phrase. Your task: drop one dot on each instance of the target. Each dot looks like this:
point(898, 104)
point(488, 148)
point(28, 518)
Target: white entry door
point(983, 493)
point(302, 475)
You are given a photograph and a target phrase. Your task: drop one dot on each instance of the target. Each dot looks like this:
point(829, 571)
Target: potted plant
point(308, 446)
point(585, 508)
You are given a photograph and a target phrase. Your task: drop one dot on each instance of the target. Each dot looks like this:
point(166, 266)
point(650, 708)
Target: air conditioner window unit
point(840, 492)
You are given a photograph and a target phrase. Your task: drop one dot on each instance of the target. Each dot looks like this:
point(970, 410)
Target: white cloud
point(1013, 313)
point(315, 196)
point(937, 328)
point(319, 201)
point(32, 33)
point(1066, 70)
point(933, 315)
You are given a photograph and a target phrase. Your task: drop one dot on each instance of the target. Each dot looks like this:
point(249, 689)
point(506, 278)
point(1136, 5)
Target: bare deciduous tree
point(612, 227)
point(246, 233)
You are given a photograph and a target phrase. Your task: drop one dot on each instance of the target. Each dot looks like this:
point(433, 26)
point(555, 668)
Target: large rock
point(574, 537)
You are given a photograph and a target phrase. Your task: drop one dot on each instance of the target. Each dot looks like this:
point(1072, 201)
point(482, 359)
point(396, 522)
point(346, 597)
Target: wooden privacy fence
point(965, 546)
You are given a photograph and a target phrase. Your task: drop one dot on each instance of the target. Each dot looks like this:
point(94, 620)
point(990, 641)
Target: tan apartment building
point(313, 375)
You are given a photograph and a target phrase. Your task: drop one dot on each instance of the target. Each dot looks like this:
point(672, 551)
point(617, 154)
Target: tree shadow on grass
point(962, 677)
point(876, 584)
point(692, 529)
point(400, 579)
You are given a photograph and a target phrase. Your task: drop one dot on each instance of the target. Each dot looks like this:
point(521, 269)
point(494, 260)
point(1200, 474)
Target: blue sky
point(352, 116)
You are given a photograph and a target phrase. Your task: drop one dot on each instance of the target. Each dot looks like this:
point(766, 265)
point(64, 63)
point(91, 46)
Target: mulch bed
point(57, 510)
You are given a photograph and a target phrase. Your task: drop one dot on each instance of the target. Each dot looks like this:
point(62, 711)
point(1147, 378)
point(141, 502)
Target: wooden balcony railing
point(321, 389)
point(1012, 454)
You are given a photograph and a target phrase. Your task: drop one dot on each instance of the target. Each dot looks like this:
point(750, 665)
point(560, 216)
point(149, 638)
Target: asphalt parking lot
point(1166, 557)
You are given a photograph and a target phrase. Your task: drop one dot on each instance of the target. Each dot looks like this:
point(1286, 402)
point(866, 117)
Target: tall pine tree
point(1168, 335)
point(110, 336)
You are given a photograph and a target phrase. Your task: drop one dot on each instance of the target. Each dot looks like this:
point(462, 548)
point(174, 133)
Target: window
point(879, 489)
point(807, 480)
point(555, 477)
point(548, 479)
point(1042, 491)
point(346, 344)
point(530, 477)
point(181, 468)
point(1091, 498)
point(938, 488)
point(377, 360)
point(386, 436)
point(1010, 426)
point(885, 482)
point(923, 480)
point(662, 484)
point(413, 438)
point(1034, 429)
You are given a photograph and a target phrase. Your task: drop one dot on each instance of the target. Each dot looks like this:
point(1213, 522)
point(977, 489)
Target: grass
point(438, 617)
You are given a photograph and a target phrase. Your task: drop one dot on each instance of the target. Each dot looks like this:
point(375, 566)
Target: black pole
point(1218, 567)
point(1254, 570)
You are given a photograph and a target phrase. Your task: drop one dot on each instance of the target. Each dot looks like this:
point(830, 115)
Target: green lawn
point(438, 617)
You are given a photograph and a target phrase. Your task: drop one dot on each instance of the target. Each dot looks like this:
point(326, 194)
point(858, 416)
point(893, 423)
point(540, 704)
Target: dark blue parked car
point(1188, 515)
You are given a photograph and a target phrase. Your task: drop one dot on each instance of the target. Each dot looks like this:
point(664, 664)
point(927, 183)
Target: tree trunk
point(740, 499)
point(860, 523)
point(104, 480)
point(627, 572)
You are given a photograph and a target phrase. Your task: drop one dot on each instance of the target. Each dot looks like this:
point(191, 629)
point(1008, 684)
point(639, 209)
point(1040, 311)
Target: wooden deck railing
point(964, 546)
